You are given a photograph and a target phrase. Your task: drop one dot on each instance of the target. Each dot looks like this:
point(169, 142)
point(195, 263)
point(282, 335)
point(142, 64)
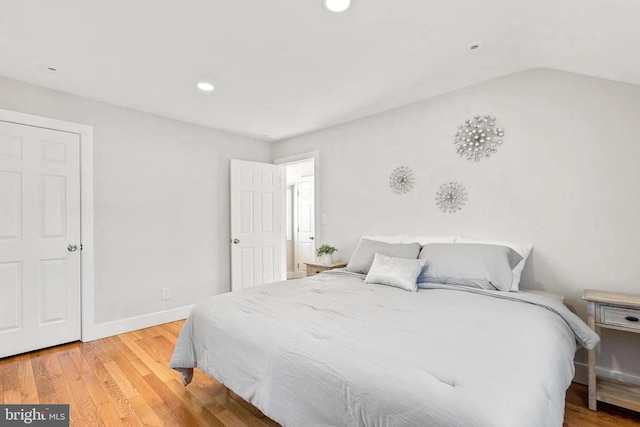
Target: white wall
point(566, 179)
point(161, 201)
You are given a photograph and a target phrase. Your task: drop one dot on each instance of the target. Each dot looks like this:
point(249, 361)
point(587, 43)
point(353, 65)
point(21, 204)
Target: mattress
point(329, 350)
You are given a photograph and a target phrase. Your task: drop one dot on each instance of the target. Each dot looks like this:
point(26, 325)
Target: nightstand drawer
point(619, 316)
point(312, 271)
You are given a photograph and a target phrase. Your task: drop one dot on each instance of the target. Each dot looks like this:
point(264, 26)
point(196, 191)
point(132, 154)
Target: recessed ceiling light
point(474, 47)
point(205, 87)
point(52, 69)
point(337, 5)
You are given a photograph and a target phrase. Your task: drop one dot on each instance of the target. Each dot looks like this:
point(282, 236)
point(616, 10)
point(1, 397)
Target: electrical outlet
point(166, 294)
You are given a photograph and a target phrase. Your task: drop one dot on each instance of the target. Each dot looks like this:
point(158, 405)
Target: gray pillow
point(366, 250)
point(469, 264)
point(397, 272)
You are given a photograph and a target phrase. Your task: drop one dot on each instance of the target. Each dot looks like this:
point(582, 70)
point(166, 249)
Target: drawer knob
point(632, 318)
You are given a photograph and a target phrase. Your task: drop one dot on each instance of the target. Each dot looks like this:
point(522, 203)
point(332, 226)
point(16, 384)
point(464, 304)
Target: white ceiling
point(287, 67)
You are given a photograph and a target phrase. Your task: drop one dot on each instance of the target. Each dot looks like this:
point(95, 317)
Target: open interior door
point(256, 229)
point(305, 246)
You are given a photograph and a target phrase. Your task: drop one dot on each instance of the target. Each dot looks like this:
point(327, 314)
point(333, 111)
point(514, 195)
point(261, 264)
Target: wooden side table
point(315, 268)
point(612, 310)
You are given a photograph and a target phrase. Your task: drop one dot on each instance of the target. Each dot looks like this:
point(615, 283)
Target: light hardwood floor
point(125, 380)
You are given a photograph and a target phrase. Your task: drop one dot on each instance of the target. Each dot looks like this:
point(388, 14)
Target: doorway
point(302, 169)
point(272, 189)
point(46, 237)
point(300, 212)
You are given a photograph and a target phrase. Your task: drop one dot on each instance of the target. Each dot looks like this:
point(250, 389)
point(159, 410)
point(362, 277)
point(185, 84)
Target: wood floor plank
point(183, 413)
point(113, 392)
point(144, 411)
point(125, 381)
point(139, 365)
point(166, 415)
point(188, 398)
point(101, 399)
point(86, 408)
point(28, 388)
point(77, 355)
point(42, 377)
point(156, 354)
point(162, 371)
point(10, 377)
point(10, 383)
point(174, 328)
point(116, 345)
point(133, 376)
point(61, 392)
point(163, 346)
point(121, 379)
point(229, 419)
point(132, 420)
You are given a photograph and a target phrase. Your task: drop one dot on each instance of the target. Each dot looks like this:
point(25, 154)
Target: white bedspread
point(332, 351)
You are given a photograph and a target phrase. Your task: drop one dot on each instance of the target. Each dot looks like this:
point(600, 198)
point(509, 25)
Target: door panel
point(39, 218)
point(10, 146)
point(53, 290)
point(11, 291)
point(54, 195)
point(255, 224)
point(11, 212)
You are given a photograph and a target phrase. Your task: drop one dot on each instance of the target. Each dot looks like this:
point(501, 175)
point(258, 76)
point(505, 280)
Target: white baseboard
point(582, 374)
point(108, 329)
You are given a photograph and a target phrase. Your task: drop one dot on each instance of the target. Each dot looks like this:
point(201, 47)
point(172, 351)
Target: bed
point(332, 350)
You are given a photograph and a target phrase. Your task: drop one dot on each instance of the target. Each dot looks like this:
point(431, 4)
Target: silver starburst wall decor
point(477, 138)
point(451, 197)
point(401, 180)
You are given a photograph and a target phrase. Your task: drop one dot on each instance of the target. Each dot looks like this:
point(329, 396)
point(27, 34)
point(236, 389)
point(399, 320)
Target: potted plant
point(325, 253)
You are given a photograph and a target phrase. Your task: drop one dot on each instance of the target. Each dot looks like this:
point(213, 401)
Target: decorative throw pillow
point(366, 250)
point(397, 272)
point(474, 265)
point(524, 249)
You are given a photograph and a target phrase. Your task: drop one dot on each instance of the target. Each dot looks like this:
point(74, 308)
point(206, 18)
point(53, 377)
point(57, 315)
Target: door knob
point(236, 241)
point(311, 238)
point(72, 248)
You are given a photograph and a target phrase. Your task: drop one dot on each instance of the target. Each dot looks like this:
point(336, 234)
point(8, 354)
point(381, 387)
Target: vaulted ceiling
point(287, 67)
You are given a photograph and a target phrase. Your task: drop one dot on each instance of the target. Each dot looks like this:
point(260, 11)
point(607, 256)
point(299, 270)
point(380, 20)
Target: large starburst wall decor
point(477, 138)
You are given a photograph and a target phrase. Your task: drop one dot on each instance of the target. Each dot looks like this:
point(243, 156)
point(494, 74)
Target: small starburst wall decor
point(401, 180)
point(451, 197)
point(477, 138)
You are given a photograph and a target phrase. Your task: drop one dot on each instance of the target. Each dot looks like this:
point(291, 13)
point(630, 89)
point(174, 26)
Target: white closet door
point(256, 232)
point(39, 238)
point(305, 241)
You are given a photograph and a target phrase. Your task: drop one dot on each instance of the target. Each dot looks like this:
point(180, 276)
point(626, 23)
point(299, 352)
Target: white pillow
point(386, 239)
point(423, 240)
point(397, 272)
point(524, 249)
